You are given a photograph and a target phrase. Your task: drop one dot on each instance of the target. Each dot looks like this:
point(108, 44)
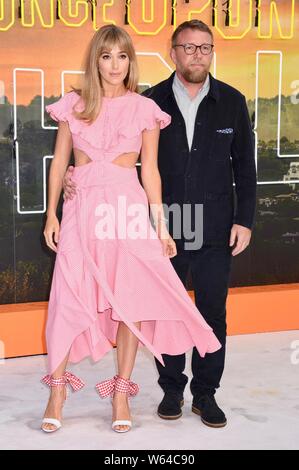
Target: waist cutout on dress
point(102, 173)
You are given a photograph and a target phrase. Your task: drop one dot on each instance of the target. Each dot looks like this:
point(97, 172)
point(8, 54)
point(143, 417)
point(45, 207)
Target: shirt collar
point(167, 90)
point(179, 84)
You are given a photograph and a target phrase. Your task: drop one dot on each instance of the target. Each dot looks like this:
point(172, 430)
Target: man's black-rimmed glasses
point(190, 49)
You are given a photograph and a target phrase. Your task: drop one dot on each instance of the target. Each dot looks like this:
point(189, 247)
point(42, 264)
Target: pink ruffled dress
point(99, 281)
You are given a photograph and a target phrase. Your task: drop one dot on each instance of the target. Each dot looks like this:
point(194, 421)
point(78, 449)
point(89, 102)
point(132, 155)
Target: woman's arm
point(151, 181)
point(62, 153)
point(150, 174)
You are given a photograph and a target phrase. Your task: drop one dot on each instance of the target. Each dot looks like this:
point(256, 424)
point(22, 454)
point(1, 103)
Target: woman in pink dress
point(113, 281)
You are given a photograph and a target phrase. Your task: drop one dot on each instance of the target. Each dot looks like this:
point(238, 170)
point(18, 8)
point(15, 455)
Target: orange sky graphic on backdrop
point(62, 48)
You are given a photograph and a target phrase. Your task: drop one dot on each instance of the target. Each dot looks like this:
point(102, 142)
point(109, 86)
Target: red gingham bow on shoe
point(117, 384)
point(107, 387)
point(66, 378)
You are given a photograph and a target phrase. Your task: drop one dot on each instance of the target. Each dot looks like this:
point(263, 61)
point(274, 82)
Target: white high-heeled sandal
point(53, 421)
point(121, 422)
point(118, 384)
point(66, 378)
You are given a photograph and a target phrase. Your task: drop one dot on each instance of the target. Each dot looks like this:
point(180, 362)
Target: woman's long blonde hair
point(91, 86)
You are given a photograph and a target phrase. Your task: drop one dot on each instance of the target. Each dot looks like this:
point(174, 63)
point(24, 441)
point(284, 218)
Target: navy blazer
point(222, 152)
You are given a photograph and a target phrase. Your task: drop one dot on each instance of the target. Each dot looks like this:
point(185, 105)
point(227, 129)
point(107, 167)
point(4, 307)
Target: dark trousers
point(210, 268)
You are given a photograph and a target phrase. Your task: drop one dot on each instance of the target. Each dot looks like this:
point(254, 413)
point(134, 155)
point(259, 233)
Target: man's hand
point(241, 236)
point(69, 186)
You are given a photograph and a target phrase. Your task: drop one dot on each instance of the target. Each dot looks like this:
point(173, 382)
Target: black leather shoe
point(210, 413)
point(171, 406)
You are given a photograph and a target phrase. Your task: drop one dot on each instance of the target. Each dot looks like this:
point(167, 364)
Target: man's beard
point(195, 76)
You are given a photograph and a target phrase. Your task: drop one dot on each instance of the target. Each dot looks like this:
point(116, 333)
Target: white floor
point(259, 394)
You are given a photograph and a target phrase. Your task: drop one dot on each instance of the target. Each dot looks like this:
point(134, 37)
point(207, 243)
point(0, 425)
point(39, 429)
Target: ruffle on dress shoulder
point(118, 119)
point(151, 114)
point(146, 115)
point(62, 110)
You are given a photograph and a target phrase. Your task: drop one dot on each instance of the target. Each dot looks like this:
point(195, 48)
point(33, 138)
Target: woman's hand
point(168, 244)
point(52, 228)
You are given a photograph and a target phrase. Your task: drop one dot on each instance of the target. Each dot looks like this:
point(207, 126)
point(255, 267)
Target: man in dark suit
point(208, 144)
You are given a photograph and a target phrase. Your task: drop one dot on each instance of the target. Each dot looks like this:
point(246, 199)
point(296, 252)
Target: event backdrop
point(42, 44)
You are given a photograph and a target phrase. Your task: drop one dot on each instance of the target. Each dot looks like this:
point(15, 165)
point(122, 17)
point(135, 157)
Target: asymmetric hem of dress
point(99, 281)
